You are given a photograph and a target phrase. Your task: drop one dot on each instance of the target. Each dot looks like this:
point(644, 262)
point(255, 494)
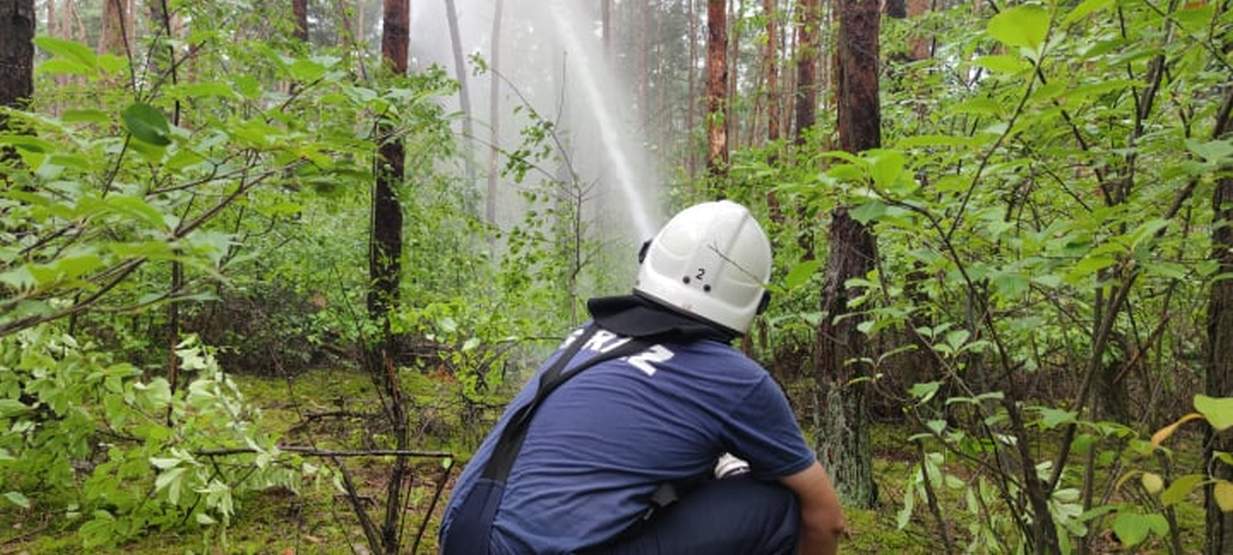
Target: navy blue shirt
point(600, 445)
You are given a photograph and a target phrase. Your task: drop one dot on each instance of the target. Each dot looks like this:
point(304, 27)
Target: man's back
point(602, 443)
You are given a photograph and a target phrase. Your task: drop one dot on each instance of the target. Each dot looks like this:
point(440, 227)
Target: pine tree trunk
point(300, 9)
point(716, 88)
point(464, 94)
point(1219, 383)
point(113, 35)
point(691, 98)
point(921, 46)
point(385, 264)
point(643, 75)
point(807, 45)
point(605, 8)
point(52, 20)
point(17, 22)
point(844, 436)
point(733, 128)
point(494, 116)
point(771, 68)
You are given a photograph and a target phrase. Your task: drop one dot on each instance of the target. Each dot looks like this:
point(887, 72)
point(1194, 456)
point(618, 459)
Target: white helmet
point(711, 260)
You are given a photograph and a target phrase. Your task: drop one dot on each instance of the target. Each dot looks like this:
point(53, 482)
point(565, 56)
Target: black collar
point(637, 316)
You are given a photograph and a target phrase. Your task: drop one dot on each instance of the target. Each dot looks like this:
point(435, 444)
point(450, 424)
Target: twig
point(933, 499)
point(314, 452)
point(445, 478)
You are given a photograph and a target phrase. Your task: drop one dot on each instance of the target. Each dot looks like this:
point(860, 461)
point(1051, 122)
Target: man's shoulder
point(722, 355)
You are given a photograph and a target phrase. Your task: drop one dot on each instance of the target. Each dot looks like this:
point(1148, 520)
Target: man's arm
point(821, 515)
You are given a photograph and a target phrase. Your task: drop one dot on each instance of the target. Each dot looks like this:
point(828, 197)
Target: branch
point(314, 452)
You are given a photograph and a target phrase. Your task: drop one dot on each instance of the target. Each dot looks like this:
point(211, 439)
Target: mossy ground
point(318, 518)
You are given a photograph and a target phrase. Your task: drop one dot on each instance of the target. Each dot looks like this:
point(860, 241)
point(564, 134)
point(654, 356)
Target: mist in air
point(552, 61)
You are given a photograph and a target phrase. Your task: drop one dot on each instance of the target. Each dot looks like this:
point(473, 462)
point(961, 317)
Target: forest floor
point(318, 518)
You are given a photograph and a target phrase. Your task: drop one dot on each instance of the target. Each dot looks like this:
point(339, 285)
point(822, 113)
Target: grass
point(319, 520)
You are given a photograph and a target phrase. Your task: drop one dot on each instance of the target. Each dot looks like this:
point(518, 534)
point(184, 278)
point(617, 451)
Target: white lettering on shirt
point(643, 361)
point(596, 343)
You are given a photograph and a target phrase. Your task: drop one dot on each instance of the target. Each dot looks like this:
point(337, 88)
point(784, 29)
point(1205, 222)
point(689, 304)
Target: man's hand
point(821, 515)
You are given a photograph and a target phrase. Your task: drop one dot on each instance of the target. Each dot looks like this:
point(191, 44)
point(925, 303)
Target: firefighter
point(615, 445)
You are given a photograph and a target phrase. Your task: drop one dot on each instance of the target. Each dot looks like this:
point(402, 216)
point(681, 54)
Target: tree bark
point(52, 20)
point(464, 94)
point(772, 70)
point(113, 35)
point(385, 263)
point(716, 88)
point(733, 128)
point(605, 8)
point(844, 436)
point(300, 9)
point(643, 75)
point(807, 45)
point(691, 98)
point(494, 115)
point(1219, 382)
point(771, 61)
point(17, 21)
point(921, 46)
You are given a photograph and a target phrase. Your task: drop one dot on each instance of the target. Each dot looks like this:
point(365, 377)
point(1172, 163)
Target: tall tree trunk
point(494, 116)
point(921, 46)
point(1219, 381)
point(772, 70)
point(52, 22)
point(385, 265)
point(113, 35)
point(807, 46)
point(771, 61)
point(464, 94)
point(844, 435)
point(643, 73)
point(17, 22)
point(716, 87)
point(605, 8)
point(691, 98)
point(731, 125)
point(300, 9)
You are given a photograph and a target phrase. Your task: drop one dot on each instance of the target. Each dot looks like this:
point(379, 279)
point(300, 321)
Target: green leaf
point(1223, 492)
point(61, 66)
point(801, 273)
point(923, 392)
point(206, 90)
point(887, 167)
point(16, 498)
point(868, 212)
point(68, 49)
point(1020, 26)
point(1212, 152)
point(12, 407)
point(158, 392)
point(1217, 411)
point(1195, 17)
point(1051, 418)
point(164, 464)
point(1131, 528)
point(137, 209)
point(147, 124)
point(1180, 489)
point(1084, 8)
point(170, 478)
point(307, 70)
point(1002, 63)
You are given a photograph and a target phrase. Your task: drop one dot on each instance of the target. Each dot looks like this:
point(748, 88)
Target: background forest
point(269, 270)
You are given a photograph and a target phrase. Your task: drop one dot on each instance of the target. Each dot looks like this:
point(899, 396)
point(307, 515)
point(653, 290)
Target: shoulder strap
point(510, 443)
